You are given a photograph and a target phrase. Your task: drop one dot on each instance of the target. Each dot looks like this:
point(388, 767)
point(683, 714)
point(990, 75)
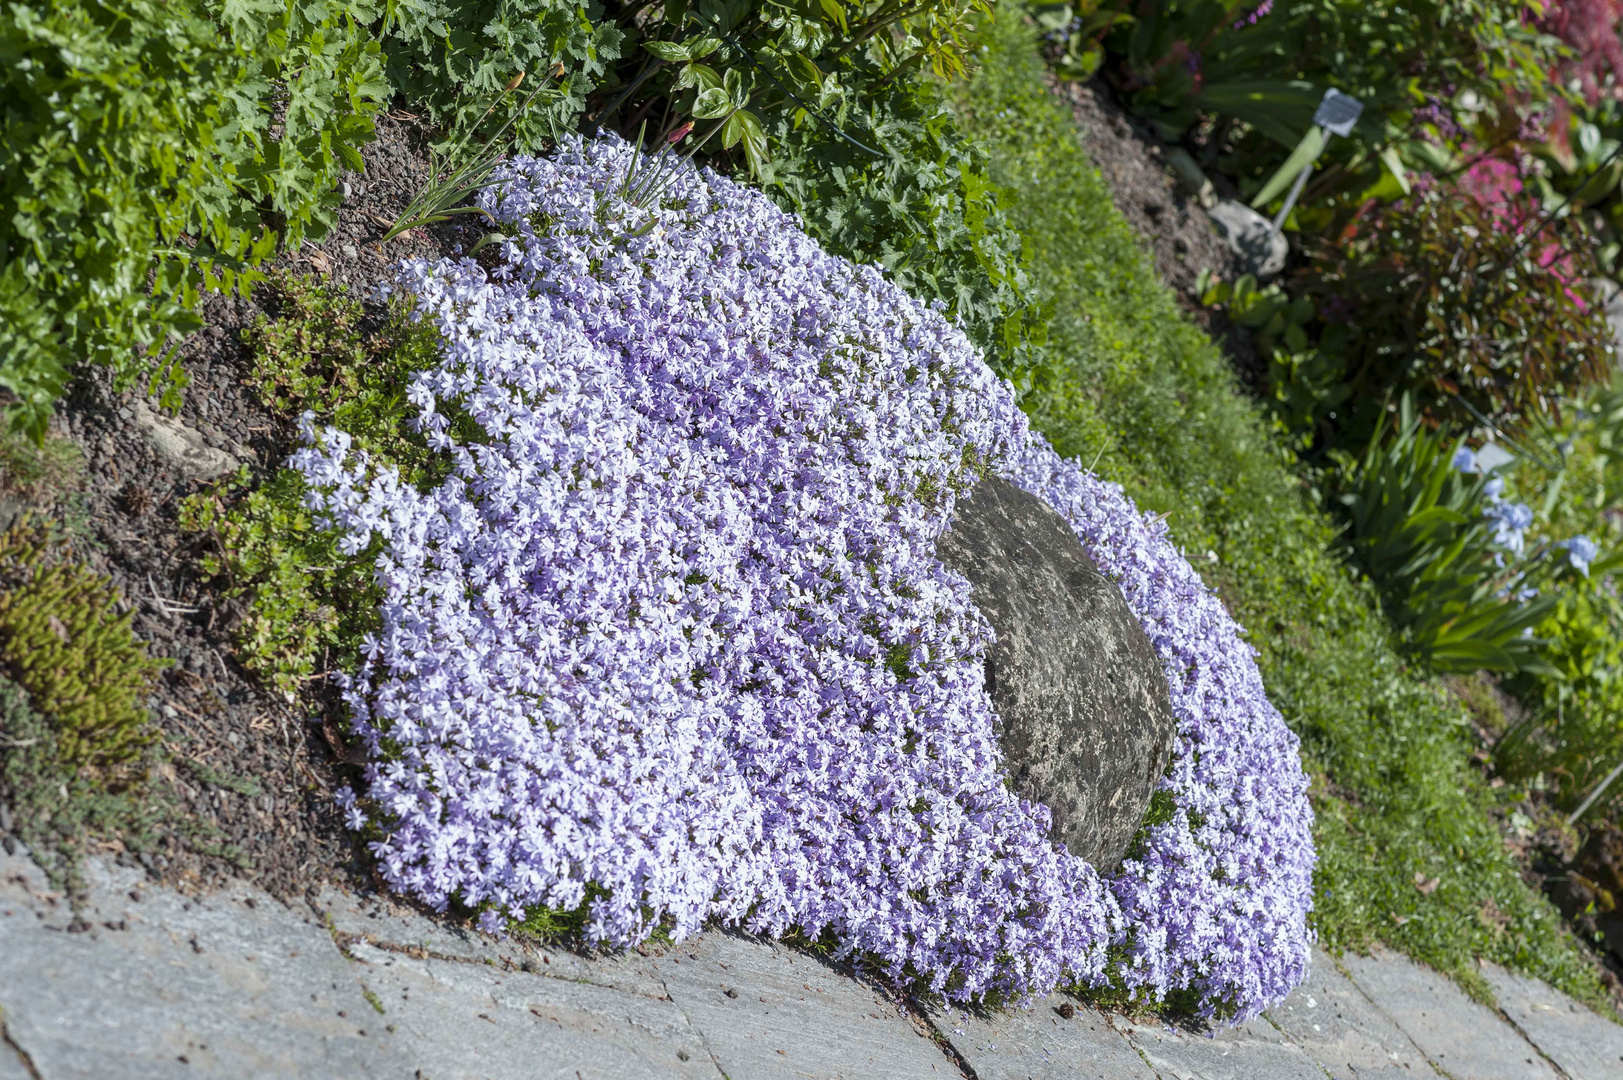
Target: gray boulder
point(1084, 717)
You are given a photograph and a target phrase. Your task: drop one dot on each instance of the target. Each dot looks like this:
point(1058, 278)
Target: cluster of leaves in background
point(1440, 296)
point(305, 603)
point(454, 58)
point(1416, 525)
point(927, 212)
point(143, 144)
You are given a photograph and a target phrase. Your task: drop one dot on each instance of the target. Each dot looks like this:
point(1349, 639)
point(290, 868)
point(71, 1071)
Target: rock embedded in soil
point(1085, 720)
point(182, 447)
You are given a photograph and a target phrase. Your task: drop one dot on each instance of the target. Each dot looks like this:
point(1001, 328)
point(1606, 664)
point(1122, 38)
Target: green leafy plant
point(1481, 316)
point(306, 604)
point(455, 57)
point(1416, 525)
point(1570, 736)
point(156, 151)
point(1571, 733)
point(79, 661)
point(927, 211)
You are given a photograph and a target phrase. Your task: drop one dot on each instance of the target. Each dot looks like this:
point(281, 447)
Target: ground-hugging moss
point(79, 753)
point(65, 644)
point(1154, 401)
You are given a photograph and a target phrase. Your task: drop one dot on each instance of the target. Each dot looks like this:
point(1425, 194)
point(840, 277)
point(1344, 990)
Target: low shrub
point(140, 164)
point(1468, 304)
point(1457, 298)
point(926, 212)
point(454, 58)
point(674, 643)
point(1447, 553)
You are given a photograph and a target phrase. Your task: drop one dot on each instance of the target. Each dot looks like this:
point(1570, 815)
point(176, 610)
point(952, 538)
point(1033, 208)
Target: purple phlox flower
point(1255, 16)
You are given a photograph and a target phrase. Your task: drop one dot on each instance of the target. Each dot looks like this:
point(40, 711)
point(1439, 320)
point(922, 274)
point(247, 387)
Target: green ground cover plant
point(305, 604)
point(1408, 852)
point(79, 661)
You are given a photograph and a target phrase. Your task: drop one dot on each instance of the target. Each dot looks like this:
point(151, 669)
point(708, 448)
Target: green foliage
point(79, 661)
point(306, 603)
point(1416, 526)
point(745, 65)
point(318, 350)
point(1155, 402)
point(1182, 58)
point(456, 57)
point(926, 211)
point(143, 144)
point(1571, 733)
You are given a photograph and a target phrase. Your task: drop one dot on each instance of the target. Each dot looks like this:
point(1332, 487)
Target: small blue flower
point(1581, 551)
point(1510, 523)
point(1465, 460)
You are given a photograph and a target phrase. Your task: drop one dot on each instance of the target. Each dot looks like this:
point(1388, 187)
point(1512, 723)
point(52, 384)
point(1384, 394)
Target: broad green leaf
point(1282, 111)
point(712, 104)
point(673, 51)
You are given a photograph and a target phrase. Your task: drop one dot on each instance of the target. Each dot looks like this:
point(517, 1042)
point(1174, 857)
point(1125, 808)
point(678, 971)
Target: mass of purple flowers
point(671, 640)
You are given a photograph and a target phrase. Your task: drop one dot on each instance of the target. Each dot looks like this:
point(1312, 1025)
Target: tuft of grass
point(305, 605)
point(1146, 393)
point(63, 642)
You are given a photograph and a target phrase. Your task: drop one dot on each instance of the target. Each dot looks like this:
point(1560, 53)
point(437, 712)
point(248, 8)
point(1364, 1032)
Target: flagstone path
point(150, 984)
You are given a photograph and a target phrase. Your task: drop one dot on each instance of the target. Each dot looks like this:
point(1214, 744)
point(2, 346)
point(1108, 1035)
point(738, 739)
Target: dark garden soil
point(1175, 230)
point(252, 767)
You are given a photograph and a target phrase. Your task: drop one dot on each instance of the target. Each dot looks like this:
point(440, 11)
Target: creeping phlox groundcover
point(671, 640)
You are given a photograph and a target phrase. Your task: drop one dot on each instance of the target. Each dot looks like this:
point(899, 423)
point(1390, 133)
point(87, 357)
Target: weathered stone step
point(147, 983)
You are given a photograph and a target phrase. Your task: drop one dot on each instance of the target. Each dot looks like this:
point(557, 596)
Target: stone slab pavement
point(143, 982)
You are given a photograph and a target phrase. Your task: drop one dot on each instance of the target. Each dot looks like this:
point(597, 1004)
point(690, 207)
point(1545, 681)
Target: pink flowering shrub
point(671, 640)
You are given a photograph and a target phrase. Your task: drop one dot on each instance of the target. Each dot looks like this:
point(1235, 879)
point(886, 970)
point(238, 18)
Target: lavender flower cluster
point(671, 640)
